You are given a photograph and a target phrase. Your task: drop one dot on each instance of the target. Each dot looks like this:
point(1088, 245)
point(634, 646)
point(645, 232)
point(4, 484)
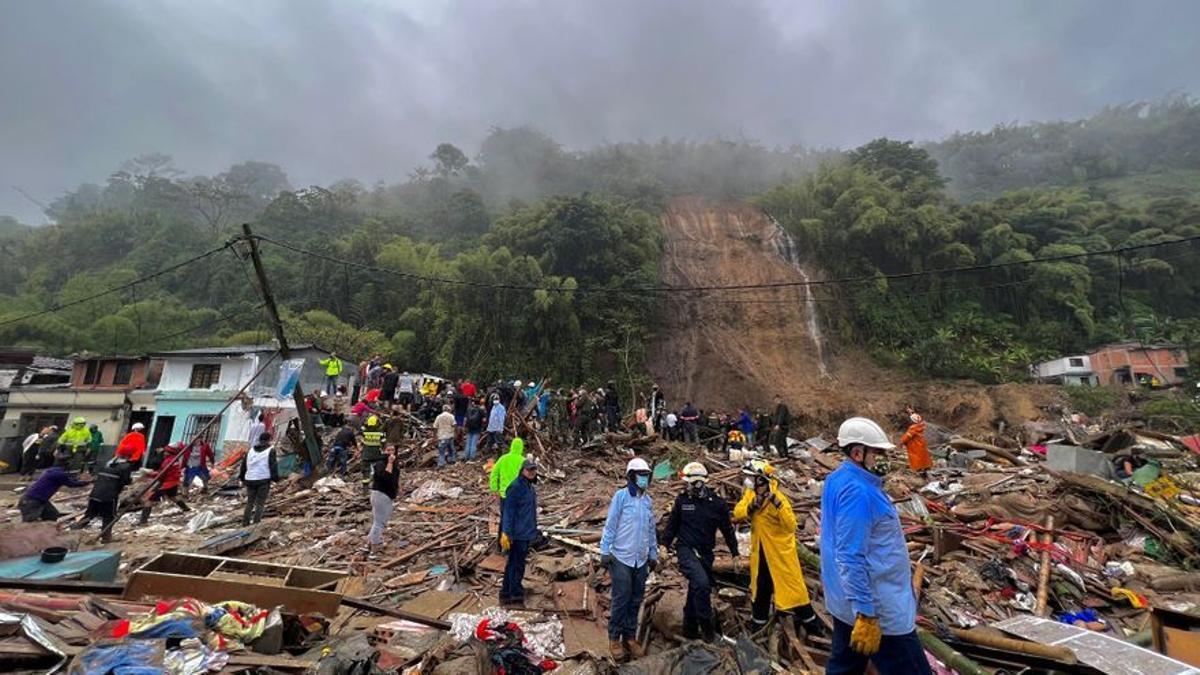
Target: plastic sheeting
point(31, 630)
point(543, 634)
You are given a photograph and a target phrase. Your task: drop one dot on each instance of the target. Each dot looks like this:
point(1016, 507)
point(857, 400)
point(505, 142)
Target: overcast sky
point(346, 89)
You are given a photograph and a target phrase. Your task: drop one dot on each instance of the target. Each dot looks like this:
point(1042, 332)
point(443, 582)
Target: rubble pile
point(1013, 540)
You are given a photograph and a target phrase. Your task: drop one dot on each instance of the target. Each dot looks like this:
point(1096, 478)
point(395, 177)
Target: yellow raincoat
point(773, 531)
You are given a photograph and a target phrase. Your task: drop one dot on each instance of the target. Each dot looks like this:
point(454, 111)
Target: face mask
point(748, 483)
point(695, 487)
point(642, 482)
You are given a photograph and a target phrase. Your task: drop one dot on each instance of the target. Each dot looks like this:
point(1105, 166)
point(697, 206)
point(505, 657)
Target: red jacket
point(206, 454)
point(132, 447)
point(171, 473)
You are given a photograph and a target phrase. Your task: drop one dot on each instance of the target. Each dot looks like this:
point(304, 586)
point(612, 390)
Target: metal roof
point(235, 350)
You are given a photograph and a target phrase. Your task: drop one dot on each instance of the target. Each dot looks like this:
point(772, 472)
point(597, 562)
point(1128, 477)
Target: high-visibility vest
point(333, 367)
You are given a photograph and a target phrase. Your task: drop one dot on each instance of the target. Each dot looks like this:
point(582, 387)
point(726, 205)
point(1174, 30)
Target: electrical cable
point(731, 287)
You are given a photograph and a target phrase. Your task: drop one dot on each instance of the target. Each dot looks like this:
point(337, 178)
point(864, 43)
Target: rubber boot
point(806, 620)
point(709, 630)
point(691, 628)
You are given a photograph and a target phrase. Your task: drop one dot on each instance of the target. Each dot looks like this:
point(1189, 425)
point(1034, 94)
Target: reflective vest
point(372, 440)
point(333, 367)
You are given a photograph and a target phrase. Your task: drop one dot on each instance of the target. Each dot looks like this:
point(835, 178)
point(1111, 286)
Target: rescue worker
point(915, 445)
point(73, 444)
point(342, 443)
point(372, 449)
point(106, 496)
point(132, 445)
point(35, 504)
point(169, 476)
point(518, 529)
point(260, 468)
point(774, 561)
point(629, 551)
point(692, 530)
point(505, 470)
point(333, 369)
point(865, 569)
point(94, 445)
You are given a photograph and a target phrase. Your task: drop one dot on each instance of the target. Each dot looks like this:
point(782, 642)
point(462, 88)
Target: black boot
point(691, 628)
point(807, 621)
point(708, 630)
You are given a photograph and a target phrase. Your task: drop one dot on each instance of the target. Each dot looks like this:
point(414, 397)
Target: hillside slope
point(723, 350)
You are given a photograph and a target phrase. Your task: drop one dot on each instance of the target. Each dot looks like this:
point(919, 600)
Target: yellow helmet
point(758, 467)
point(373, 421)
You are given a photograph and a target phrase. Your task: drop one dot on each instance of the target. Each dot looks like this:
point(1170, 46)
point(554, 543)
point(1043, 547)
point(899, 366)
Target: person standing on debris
point(690, 417)
point(35, 504)
point(333, 370)
point(48, 449)
point(132, 445)
point(388, 386)
point(518, 529)
point(865, 568)
point(372, 448)
point(612, 407)
point(407, 391)
point(774, 561)
point(106, 497)
point(629, 551)
point(505, 470)
point(73, 443)
point(781, 424)
point(473, 426)
point(443, 425)
point(259, 469)
point(29, 451)
point(692, 529)
point(657, 404)
point(495, 425)
point(745, 424)
point(199, 456)
point(585, 416)
point(385, 484)
point(915, 445)
point(94, 444)
point(168, 478)
point(340, 450)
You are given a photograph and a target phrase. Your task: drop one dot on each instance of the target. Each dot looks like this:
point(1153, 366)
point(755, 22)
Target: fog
point(366, 90)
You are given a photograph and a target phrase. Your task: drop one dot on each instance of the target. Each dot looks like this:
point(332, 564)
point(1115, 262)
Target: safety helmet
point(862, 431)
point(79, 420)
point(137, 426)
point(637, 464)
point(695, 471)
point(916, 418)
point(517, 384)
point(373, 421)
point(758, 467)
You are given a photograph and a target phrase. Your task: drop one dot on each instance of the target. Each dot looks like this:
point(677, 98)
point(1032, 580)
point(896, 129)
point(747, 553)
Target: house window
point(1181, 373)
point(1076, 362)
point(124, 374)
point(205, 375)
point(197, 423)
point(92, 372)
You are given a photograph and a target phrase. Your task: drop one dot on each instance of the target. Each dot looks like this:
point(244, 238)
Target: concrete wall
point(145, 373)
point(104, 409)
point(1159, 363)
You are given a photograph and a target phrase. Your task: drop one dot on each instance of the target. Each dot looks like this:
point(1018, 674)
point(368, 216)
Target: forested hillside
point(545, 253)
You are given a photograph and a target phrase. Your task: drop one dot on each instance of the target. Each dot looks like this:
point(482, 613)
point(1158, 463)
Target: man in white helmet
point(692, 528)
point(864, 563)
point(629, 551)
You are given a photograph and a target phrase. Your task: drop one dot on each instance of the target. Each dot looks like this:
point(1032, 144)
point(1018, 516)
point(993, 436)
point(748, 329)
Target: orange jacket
point(913, 440)
point(132, 446)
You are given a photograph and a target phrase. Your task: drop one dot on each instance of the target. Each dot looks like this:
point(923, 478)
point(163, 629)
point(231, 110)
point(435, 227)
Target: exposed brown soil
point(732, 348)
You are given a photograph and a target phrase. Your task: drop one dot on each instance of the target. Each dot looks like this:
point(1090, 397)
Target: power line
point(117, 289)
point(224, 318)
point(729, 287)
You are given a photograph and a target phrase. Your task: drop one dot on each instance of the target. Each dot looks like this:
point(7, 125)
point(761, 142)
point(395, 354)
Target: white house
point(197, 383)
point(1072, 370)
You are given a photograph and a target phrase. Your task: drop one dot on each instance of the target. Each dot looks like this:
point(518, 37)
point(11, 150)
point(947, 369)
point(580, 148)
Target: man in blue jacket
point(864, 563)
point(518, 528)
point(629, 550)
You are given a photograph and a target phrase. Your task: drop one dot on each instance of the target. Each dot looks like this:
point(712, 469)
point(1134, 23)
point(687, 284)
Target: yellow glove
point(506, 543)
point(865, 637)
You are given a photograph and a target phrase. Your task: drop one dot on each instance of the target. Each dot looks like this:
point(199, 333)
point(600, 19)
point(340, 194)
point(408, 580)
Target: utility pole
point(306, 423)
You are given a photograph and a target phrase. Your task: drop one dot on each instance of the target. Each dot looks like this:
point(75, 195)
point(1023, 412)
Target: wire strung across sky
point(728, 287)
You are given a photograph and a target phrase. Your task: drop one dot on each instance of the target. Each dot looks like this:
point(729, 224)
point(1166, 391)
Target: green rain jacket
point(76, 436)
point(505, 471)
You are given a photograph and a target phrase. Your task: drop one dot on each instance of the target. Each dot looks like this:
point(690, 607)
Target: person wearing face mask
point(864, 563)
point(692, 527)
point(774, 562)
point(629, 551)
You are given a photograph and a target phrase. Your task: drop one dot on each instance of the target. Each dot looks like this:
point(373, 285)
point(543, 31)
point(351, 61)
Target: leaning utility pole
point(306, 423)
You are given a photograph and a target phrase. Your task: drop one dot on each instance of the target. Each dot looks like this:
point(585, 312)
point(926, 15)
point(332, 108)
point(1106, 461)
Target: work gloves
point(505, 542)
point(606, 560)
point(866, 636)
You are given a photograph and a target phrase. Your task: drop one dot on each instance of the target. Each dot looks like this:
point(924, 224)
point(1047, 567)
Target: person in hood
point(505, 470)
point(94, 445)
point(692, 532)
point(259, 469)
point(36, 504)
point(168, 477)
point(518, 529)
point(132, 445)
point(774, 562)
point(73, 444)
point(915, 445)
point(629, 551)
point(105, 498)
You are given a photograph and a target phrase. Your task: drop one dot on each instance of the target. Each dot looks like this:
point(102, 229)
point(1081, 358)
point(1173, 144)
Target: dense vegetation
point(581, 228)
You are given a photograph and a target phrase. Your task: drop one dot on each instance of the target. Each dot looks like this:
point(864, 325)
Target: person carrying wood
point(629, 551)
point(865, 569)
point(692, 532)
point(915, 445)
point(518, 529)
point(775, 572)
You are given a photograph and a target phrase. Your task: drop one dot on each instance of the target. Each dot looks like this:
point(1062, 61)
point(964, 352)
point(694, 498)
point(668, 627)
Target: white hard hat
point(695, 471)
point(516, 383)
point(862, 431)
point(138, 426)
point(637, 464)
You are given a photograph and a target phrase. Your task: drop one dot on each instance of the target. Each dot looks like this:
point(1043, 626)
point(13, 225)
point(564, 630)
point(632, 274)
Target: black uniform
point(105, 496)
point(692, 528)
point(390, 382)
